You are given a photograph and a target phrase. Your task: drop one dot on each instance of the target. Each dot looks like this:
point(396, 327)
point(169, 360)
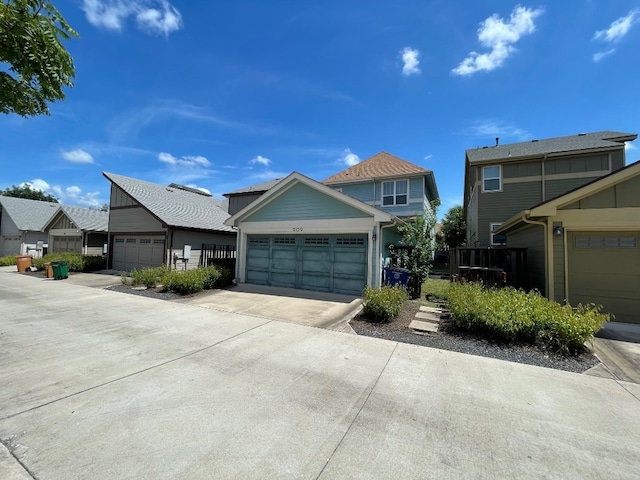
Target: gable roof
point(257, 188)
point(380, 165)
point(29, 215)
point(295, 177)
point(84, 219)
point(551, 146)
point(550, 207)
point(173, 206)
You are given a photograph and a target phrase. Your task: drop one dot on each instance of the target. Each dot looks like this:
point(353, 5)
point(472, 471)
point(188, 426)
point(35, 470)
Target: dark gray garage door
point(132, 251)
point(604, 268)
point(328, 263)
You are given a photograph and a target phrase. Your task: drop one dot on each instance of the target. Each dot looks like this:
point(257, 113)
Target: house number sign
point(297, 229)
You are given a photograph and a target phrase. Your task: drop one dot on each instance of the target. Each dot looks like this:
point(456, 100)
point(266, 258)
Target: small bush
point(7, 260)
point(149, 277)
point(383, 304)
point(93, 263)
point(76, 262)
point(511, 315)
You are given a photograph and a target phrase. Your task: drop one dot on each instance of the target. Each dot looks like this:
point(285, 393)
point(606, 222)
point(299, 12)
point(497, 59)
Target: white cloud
point(619, 28)
point(260, 160)
point(349, 158)
point(186, 161)
point(71, 195)
point(410, 61)
point(499, 36)
point(428, 157)
point(152, 16)
point(629, 146)
point(497, 128)
point(202, 189)
point(600, 55)
point(77, 156)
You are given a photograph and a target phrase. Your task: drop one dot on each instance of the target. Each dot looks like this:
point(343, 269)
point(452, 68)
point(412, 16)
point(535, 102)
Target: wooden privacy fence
point(219, 255)
point(497, 266)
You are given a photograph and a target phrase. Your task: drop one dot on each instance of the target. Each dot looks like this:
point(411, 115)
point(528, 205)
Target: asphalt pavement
point(104, 385)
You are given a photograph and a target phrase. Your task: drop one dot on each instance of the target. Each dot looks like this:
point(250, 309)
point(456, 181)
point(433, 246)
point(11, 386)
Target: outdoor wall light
point(558, 231)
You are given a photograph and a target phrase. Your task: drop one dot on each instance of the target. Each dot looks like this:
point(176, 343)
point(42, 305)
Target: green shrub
point(76, 262)
point(383, 304)
point(511, 315)
point(7, 261)
point(149, 277)
point(93, 263)
point(186, 282)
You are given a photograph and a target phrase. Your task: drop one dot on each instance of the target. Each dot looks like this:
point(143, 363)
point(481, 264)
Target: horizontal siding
point(500, 206)
point(133, 220)
point(403, 210)
point(97, 240)
point(623, 195)
point(559, 295)
point(361, 191)
point(416, 188)
point(196, 239)
point(301, 202)
point(617, 159)
point(94, 250)
point(8, 226)
point(531, 238)
point(555, 188)
point(524, 169)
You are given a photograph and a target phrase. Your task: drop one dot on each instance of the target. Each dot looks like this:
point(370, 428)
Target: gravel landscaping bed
point(146, 292)
point(448, 338)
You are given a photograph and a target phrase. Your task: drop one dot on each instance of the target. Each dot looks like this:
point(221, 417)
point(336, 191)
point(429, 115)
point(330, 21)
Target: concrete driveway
point(103, 385)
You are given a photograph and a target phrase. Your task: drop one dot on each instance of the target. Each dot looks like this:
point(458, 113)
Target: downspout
point(547, 280)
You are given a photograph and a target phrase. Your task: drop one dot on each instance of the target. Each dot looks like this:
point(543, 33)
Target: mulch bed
point(450, 338)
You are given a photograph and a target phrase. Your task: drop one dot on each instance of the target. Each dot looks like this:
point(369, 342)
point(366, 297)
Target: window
point(316, 241)
point(395, 193)
point(492, 179)
point(606, 242)
point(497, 238)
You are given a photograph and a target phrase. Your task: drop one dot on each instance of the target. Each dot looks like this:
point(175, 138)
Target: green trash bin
point(60, 270)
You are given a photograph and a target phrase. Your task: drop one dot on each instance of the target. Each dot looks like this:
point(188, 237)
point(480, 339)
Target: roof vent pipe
point(497, 141)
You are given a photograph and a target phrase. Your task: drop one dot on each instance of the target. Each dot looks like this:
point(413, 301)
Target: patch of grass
point(511, 315)
point(383, 304)
point(436, 288)
point(7, 260)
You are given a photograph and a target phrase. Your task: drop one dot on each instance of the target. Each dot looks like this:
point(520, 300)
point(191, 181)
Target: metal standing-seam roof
point(175, 207)
point(535, 148)
point(29, 215)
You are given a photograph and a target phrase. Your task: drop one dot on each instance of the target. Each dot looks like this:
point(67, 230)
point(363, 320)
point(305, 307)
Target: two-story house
point(331, 235)
point(572, 203)
point(502, 180)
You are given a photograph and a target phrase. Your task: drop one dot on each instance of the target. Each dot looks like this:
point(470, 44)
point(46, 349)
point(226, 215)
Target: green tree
point(454, 228)
point(34, 65)
point(27, 192)
point(418, 233)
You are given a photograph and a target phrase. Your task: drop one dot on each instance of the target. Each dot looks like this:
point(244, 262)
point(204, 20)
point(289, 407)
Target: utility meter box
point(186, 252)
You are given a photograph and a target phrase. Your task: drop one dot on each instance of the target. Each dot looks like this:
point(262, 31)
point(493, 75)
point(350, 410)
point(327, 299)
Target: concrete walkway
point(617, 346)
point(101, 385)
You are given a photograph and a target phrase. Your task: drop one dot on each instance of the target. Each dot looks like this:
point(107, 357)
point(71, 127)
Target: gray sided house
point(330, 236)
point(150, 224)
point(586, 244)
point(238, 199)
point(22, 225)
point(502, 180)
point(77, 230)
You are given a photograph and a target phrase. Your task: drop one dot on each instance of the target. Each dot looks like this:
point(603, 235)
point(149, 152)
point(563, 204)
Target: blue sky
point(221, 95)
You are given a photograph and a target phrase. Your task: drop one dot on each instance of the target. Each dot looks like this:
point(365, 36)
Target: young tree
point(34, 65)
point(454, 227)
point(27, 192)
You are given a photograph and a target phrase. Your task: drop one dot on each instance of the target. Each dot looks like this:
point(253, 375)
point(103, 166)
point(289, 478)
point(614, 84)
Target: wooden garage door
point(604, 268)
point(66, 244)
point(135, 251)
point(328, 263)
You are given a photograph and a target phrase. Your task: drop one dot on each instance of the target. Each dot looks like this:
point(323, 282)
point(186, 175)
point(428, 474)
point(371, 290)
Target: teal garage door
point(327, 263)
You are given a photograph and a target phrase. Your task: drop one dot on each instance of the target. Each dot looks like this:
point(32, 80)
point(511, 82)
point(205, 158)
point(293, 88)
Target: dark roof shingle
point(29, 215)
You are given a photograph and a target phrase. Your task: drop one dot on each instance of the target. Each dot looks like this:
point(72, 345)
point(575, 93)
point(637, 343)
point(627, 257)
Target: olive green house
point(502, 180)
point(586, 243)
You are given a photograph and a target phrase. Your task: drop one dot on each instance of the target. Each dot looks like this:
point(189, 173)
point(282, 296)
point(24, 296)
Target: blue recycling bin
point(396, 276)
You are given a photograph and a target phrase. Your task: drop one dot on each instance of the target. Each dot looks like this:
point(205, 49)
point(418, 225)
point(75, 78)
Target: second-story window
point(395, 193)
point(492, 179)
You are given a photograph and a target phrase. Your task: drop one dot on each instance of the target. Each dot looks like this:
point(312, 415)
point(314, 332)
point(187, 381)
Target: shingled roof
point(29, 215)
point(87, 219)
point(173, 206)
point(549, 146)
point(380, 165)
point(257, 188)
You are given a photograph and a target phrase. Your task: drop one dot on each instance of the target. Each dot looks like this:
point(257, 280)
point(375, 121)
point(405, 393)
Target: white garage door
point(10, 245)
point(135, 251)
point(604, 268)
